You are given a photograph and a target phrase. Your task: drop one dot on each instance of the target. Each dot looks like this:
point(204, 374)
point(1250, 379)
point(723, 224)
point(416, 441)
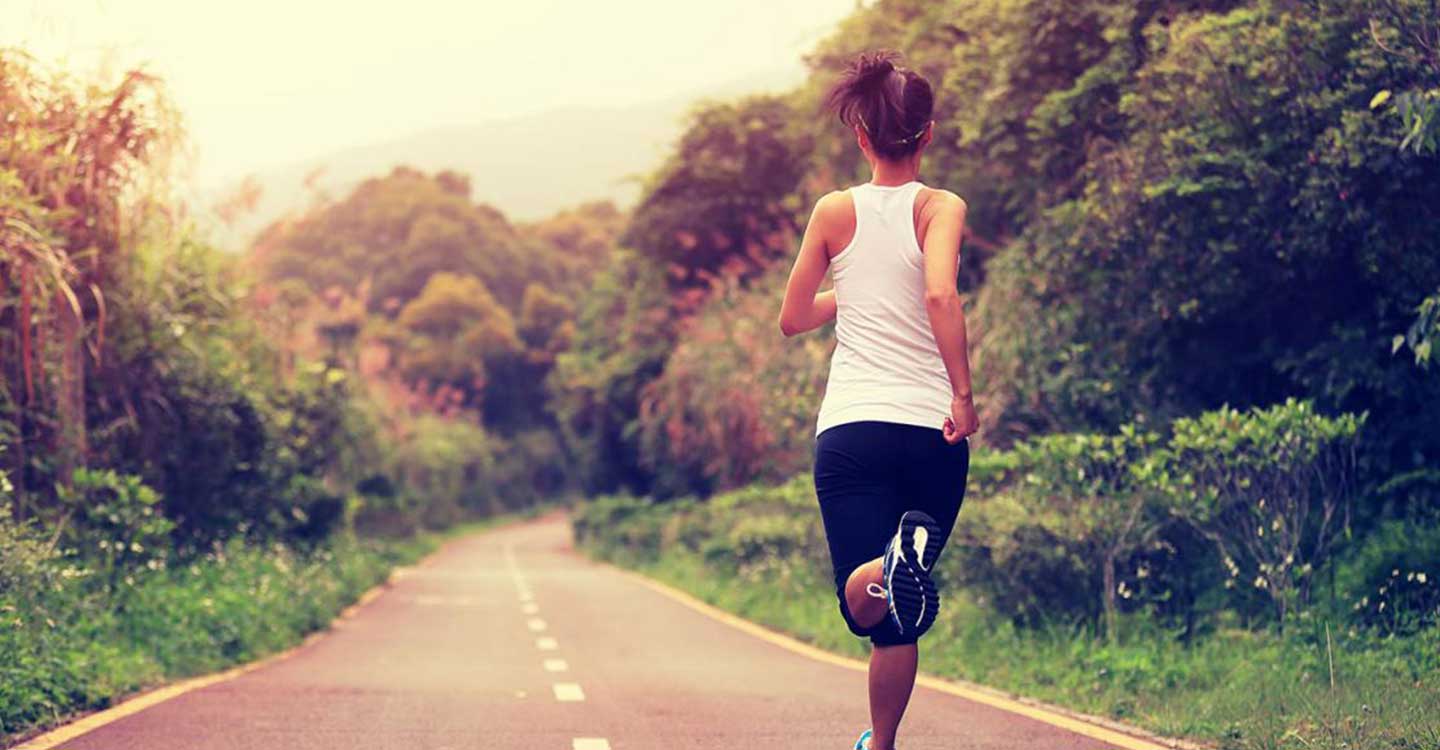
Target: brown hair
point(892, 104)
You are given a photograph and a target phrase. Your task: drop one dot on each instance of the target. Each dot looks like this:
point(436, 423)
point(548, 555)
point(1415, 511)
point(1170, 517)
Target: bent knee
point(849, 618)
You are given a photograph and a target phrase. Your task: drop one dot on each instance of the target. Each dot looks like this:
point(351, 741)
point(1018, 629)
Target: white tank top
point(886, 366)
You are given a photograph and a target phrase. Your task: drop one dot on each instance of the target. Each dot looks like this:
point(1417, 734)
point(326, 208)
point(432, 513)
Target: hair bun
point(891, 105)
point(872, 69)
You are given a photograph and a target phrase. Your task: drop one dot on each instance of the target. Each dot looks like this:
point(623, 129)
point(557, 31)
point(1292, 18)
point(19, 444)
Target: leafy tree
point(723, 203)
point(721, 209)
point(454, 330)
point(1243, 243)
point(65, 213)
point(1424, 333)
point(397, 231)
point(623, 335)
point(546, 323)
point(736, 402)
point(575, 244)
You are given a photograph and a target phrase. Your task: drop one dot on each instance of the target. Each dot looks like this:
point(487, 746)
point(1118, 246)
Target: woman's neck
point(889, 174)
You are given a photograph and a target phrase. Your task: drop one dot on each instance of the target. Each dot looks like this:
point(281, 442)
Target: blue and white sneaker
point(864, 742)
point(909, 558)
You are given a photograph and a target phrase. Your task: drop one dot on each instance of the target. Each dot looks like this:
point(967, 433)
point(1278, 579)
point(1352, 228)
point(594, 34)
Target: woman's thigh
point(860, 500)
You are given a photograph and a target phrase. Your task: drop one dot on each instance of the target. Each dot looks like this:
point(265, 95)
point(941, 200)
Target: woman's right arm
point(947, 315)
point(805, 308)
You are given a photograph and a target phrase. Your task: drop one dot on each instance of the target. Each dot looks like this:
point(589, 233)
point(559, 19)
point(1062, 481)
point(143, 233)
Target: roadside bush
point(1095, 487)
point(1019, 565)
point(1072, 529)
point(755, 528)
point(24, 576)
point(112, 525)
point(1272, 488)
point(1067, 527)
point(1392, 581)
point(621, 527)
point(446, 468)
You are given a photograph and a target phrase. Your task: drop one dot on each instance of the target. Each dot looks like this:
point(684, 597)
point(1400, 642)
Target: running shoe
point(864, 742)
point(909, 558)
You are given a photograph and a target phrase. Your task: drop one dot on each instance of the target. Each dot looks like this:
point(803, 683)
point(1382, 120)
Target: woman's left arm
point(805, 307)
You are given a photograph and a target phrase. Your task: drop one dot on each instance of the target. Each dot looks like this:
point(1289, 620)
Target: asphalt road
point(509, 639)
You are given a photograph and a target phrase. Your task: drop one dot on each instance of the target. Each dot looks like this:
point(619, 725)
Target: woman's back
point(886, 366)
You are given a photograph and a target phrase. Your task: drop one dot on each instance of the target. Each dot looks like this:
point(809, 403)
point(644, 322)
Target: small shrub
point(1270, 487)
point(621, 527)
point(1392, 582)
point(446, 469)
point(1019, 564)
point(1096, 488)
point(113, 524)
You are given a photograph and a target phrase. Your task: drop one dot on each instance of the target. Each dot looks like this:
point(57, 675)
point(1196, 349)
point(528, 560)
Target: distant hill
point(528, 167)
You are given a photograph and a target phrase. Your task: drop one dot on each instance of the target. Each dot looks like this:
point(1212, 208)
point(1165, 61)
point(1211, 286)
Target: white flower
point(1420, 577)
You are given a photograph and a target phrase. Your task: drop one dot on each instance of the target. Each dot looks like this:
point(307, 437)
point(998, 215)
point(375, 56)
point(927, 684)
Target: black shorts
point(869, 473)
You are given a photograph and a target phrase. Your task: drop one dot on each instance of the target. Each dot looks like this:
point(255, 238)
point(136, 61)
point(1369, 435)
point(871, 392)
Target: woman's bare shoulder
point(835, 218)
point(835, 204)
point(936, 200)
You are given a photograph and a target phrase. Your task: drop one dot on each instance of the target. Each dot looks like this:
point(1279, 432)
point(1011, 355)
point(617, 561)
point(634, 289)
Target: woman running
point(891, 452)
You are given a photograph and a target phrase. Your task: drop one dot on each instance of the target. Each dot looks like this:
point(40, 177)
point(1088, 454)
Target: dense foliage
point(185, 454)
point(1175, 206)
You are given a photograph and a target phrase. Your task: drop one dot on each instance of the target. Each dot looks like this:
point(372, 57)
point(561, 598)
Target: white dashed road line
point(568, 692)
point(511, 565)
point(565, 692)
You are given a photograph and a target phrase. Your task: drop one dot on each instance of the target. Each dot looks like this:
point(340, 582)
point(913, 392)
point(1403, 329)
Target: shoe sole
point(917, 602)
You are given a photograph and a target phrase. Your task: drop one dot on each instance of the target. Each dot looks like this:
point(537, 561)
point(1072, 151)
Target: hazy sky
point(265, 82)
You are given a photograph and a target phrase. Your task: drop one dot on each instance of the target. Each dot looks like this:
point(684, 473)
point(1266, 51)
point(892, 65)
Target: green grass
point(69, 648)
point(1233, 688)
